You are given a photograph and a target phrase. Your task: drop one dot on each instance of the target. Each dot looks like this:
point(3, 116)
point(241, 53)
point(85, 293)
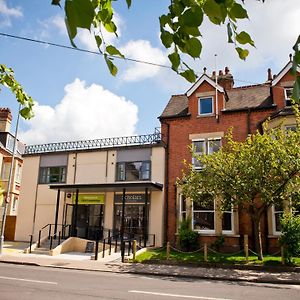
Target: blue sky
point(78, 98)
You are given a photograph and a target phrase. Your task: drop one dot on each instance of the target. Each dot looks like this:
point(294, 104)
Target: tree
point(8, 80)
point(180, 30)
point(252, 175)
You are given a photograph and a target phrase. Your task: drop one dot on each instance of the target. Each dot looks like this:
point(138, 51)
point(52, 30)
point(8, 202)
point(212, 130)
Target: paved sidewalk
point(81, 261)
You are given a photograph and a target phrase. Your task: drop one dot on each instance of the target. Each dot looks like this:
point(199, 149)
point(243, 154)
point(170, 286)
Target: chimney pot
point(220, 72)
point(214, 74)
point(226, 70)
point(269, 74)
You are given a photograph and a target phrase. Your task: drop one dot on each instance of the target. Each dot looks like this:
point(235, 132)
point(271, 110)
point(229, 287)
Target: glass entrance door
point(134, 218)
point(90, 221)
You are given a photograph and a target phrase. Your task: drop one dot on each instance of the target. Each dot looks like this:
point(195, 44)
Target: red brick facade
point(246, 113)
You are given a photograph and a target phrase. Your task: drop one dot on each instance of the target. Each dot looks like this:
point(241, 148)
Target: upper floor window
point(18, 173)
point(205, 106)
point(287, 96)
point(291, 127)
point(133, 171)
point(5, 170)
point(205, 146)
point(52, 174)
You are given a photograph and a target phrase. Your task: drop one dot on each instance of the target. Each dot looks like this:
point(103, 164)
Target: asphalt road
point(21, 282)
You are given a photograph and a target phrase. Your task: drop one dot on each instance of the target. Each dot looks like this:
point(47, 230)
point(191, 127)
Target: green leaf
point(111, 66)
point(214, 12)
point(189, 75)
point(244, 38)
point(56, 2)
point(193, 47)
point(111, 50)
point(111, 27)
point(238, 12)
point(128, 3)
point(296, 91)
point(166, 38)
point(98, 41)
point(194, 31)
point(296, 57)
point(229, 33)
point(191, 18)
point(175, 60)
point(243, 53)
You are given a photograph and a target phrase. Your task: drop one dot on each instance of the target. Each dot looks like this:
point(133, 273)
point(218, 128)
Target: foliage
point(188, 239)
point(7, 79)
point(252, 175)
point(179, 26)
point(290, 236)
point(214, 258)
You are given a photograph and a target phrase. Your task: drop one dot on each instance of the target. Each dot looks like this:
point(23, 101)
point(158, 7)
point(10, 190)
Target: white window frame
point(181, 211)
point(5, 170)
point(208, 231)
point(286, 97)
point(212, 106)
point(18, 173)
point(292, 127)
point(205, 148)
point(275, 232)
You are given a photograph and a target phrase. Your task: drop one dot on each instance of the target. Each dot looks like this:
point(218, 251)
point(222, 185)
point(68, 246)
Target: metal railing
point(146, 139)
point(58, 235)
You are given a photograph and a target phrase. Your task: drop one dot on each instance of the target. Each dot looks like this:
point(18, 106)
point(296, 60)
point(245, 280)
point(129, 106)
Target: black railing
point(64, 233)
point(146, 139)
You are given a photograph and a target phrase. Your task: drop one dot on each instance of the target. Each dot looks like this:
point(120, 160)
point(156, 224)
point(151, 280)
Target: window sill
point(205, 115)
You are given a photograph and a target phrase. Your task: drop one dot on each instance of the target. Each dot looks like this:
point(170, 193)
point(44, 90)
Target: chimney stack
point(224, 79)
point(270, 75)
point(5, 119)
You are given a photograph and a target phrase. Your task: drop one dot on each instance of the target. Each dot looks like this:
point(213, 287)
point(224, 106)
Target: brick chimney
point(224, 79)
point(5, 119)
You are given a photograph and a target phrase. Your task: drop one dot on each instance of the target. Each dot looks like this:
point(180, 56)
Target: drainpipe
point(167, 183)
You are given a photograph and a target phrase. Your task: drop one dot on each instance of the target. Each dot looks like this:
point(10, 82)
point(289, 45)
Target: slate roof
point(256, 96)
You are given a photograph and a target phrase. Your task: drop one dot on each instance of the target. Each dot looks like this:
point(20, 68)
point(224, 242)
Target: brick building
point(202, 116)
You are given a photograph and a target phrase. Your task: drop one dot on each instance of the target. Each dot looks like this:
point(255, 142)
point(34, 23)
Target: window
point(207, 146)
point(52, 175)
point(5, 170)
point(182, 207)
point(277, 214)
point(227, 225)
point(14, 204)
point(206, 106)
point(18, 173)
point(287, 96)
point(133, 171)
point(291, 127)
point(204, 216)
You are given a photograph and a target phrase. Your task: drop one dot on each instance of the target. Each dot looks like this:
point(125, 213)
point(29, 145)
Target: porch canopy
point(123, 187)
point(108, 187)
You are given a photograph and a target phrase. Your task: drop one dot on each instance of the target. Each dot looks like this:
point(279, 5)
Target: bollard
point(39, 241)
point(109, 240)
point(31, 237)
point(123, 251)
point(103, 249)
point(96, 249)
point(116, 243)
point(51, 240)
point(246, 247)
point(205, 252)
point(168, 250)
point(133, 249)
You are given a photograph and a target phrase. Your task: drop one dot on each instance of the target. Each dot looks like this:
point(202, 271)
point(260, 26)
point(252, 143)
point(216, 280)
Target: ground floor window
point(227, 221)
point(203, 216)
point(277, 214)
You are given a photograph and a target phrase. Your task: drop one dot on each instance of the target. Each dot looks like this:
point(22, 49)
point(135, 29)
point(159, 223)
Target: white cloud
point(6, 13)
point(85, 112)
point(142, 50)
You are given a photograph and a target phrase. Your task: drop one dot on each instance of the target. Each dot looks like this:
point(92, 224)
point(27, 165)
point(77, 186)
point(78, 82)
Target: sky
point(77, 98)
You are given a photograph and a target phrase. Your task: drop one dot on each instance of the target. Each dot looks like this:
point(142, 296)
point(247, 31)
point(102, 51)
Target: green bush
point(188, 239)
point(290, 236)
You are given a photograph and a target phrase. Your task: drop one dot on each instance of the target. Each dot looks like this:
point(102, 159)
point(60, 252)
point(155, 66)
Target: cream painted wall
point(91, 167)
point(27, 197)
point(156, 217)
point(158, 164)
point(282, 121)
point(111, 166)
point(109, 210)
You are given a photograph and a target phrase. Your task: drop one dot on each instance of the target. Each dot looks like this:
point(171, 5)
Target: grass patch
point(160, 255)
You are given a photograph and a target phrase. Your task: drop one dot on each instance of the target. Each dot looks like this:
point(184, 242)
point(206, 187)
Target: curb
point(162, 274)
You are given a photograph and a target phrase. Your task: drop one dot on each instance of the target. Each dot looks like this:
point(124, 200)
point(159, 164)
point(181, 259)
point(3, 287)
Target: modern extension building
point(201, 117)
point(6, 150)
point(84, 184)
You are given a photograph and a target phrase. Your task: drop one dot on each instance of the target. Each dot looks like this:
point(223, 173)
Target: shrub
point(188, 239)
point(290, 236)
point(218, 243)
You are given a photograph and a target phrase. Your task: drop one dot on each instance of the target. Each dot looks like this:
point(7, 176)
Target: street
point(29, 282)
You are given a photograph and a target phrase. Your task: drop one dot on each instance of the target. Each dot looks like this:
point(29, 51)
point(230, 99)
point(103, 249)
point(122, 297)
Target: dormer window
point(205, 106)
point(287, 96)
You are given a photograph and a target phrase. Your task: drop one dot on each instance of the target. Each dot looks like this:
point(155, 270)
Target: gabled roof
point(249, 97)
point(283, 72)
point(203, 78)
point(176, 107)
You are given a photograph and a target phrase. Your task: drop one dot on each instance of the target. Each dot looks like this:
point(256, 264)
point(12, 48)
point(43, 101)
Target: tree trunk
point(257, 237)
